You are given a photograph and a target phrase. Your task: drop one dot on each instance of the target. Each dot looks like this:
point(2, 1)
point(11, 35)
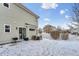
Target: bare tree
point(75, 16)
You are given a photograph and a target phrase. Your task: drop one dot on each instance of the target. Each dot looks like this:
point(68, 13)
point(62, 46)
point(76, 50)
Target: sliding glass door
point(22, 33)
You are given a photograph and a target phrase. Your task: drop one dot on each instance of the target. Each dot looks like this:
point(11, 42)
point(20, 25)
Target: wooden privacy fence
point(64, 35)
point(57, 35)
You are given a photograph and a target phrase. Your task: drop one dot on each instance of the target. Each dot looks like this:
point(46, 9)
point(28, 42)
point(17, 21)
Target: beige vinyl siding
point(16, 17)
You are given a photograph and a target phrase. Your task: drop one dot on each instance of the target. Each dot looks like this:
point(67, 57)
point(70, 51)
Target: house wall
point(15, 17)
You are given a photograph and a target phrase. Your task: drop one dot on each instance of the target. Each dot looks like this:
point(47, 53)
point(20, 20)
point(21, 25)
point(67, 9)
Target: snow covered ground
point(45, 47)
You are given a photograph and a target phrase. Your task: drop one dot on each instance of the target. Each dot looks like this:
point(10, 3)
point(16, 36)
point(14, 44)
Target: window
point(6, 5)
point(32, 29)
point(7, 28)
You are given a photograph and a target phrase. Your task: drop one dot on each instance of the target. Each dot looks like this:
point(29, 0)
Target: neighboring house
point(48, 28)
point(16, 21)
point(75, 30)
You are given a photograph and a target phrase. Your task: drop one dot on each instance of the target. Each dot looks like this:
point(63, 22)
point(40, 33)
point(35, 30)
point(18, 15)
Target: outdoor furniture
point(26, 39)
point(15, 39)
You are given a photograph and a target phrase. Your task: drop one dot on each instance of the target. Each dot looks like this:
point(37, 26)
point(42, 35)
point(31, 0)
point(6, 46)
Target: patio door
point(22, 33)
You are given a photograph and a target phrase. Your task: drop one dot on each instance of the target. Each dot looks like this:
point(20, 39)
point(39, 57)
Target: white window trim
point(5, 6)
point(8, 25)
point(21, 26)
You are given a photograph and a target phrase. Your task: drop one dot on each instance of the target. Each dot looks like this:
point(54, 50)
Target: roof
point(26, 9)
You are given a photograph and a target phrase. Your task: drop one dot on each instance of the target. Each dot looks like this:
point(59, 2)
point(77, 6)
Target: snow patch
point(45, 47)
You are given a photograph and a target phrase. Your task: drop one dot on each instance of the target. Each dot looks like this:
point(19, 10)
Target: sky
point(52, 13)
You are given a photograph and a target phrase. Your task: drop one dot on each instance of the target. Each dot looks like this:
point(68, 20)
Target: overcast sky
point(52, 13)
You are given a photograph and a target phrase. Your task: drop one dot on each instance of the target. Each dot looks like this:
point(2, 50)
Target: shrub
point(55, 34)
point(36, 37)
point(78, 34)
point(33, 37)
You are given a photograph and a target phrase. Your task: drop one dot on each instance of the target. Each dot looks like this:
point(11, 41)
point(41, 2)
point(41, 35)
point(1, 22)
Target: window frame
point(5, 28)
point(30, 29)
point(6, 6)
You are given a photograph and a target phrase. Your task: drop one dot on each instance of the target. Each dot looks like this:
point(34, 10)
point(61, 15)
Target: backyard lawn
point(45, 47)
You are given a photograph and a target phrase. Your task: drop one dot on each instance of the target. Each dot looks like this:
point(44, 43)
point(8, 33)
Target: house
point(16, 21)
point(75, 31)
point(48, 28)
